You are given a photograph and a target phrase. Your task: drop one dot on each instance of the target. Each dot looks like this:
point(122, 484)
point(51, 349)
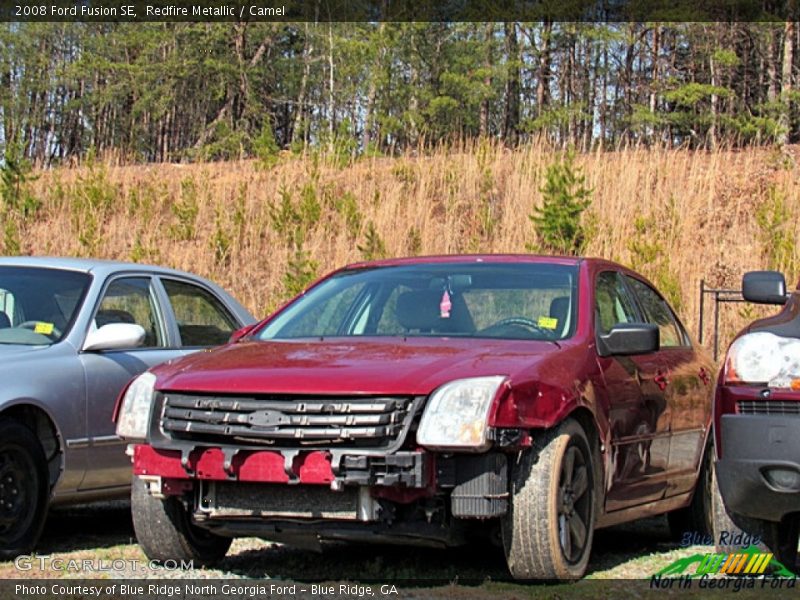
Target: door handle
point(661, 380)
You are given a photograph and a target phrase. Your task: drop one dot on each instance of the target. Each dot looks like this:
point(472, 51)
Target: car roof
point(461, 258)
point(87, 265)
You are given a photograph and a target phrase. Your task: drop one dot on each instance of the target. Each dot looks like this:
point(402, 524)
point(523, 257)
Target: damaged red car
point(526, 400)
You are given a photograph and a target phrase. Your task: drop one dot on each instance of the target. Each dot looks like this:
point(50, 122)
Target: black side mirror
point(764, 287)
point(626, 339)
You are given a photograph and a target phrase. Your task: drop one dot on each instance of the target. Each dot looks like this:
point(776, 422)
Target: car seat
point(105, 317)
point(419, 310)
point(108, 316)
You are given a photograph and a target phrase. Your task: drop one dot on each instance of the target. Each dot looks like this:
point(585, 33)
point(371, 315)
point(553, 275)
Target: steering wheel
point(523, 322)
point(54, 334)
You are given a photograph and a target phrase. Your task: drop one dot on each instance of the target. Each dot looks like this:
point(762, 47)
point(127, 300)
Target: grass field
point(678, 216)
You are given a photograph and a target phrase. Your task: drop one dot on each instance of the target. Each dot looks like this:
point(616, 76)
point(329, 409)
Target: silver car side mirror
point(114, 336)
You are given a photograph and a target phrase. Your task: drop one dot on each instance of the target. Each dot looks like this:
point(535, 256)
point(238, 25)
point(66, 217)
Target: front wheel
point(548, 530)
point(24, 489)
point(165, 532)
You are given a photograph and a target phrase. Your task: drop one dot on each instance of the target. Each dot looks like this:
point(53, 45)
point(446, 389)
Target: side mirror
point(114, 336)
point(240, 333)
point(764, 287)
point(626, 339)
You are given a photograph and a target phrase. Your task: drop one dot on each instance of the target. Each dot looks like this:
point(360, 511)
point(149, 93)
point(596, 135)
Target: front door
point(689, 377)
point(125, 300)
point(638, 416)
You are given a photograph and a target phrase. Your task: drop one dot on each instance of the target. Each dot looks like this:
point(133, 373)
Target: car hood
point(413, 366)
point(12, 351)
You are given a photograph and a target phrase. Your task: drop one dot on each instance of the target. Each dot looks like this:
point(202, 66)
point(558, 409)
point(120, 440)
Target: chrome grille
point(768, 407)
point(287, 421)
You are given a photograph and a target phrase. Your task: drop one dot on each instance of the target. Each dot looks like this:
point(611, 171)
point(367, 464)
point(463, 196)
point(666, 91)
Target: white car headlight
point(764, 358)
point(134, 413)
point(456, 414)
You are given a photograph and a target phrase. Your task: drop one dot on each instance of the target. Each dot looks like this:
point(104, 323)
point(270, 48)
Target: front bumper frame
point(752, 444)
point(410, 469)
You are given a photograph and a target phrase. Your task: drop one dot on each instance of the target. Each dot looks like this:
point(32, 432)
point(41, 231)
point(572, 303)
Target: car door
point(687, 381)
point(638, 422)
point(125, 299)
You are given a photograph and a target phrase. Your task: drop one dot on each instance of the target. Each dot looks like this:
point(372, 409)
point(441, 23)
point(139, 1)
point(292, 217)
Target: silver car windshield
point(38, 305)
point(526, 301)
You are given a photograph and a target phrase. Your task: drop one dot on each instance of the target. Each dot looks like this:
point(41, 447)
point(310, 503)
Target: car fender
point(61, 398)
point(17, 404)
point(22, 401)
point(550, 390)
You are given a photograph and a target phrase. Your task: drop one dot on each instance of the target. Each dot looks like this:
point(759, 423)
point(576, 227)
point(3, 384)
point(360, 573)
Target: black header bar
point(134, 11)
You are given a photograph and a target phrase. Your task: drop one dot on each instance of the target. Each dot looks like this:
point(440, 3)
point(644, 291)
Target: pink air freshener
point(445, 305)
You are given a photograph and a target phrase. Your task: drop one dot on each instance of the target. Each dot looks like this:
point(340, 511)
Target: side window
point(612, 303)
point(6, 309)
point(328, 318)
point(202, 319)
point(658, 312)
point(129, 300)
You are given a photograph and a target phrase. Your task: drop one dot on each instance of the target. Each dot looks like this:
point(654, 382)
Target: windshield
point(474, 300)
point(37, 306)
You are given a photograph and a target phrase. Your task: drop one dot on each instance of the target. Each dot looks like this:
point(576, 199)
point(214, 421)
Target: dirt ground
point(93, 541)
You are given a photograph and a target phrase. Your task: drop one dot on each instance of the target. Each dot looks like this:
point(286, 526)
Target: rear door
point(687, 380)
point(638, 419)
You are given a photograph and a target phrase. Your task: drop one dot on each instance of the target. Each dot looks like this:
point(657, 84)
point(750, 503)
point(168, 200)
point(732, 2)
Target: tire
point(698, 517)
point(780, 538)
point(545, 534)
point(165, 532)
point(24, 489)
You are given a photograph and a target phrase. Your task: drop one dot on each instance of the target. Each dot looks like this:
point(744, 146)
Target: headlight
point(134, 413)
point(456, 414)
point(764, 358)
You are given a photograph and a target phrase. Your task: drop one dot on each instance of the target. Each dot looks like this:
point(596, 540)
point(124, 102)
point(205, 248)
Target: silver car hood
point(12, 351)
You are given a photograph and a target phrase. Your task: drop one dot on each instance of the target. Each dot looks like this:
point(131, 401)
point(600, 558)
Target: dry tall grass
point(678, 216)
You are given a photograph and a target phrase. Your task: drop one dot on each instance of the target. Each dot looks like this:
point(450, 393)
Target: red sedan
point(430, 401)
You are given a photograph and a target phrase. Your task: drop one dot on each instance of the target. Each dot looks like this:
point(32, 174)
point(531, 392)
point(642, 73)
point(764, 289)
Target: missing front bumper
point(224, 500)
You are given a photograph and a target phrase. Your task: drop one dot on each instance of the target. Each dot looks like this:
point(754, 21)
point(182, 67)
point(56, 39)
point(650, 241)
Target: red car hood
point(413, 366)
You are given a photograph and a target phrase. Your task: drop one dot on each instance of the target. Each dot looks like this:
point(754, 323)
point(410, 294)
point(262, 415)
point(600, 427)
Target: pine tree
point(558, 221)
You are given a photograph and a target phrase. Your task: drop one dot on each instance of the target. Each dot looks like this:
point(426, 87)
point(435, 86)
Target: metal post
point(716, 325)
point(702, 308)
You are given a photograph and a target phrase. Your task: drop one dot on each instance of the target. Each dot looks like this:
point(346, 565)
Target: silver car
point(73, 332)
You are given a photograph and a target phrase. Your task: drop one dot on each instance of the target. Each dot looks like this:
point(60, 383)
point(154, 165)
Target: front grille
point(288, 421)
point(768, 407)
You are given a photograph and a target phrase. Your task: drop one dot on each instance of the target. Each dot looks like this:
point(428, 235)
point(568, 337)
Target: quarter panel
point(52, 380)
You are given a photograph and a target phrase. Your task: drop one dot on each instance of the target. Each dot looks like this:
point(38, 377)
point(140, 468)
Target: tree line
point(155, 92)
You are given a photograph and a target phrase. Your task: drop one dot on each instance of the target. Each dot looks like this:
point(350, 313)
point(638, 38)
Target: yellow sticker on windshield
point(43, 328)
point(548, 322)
